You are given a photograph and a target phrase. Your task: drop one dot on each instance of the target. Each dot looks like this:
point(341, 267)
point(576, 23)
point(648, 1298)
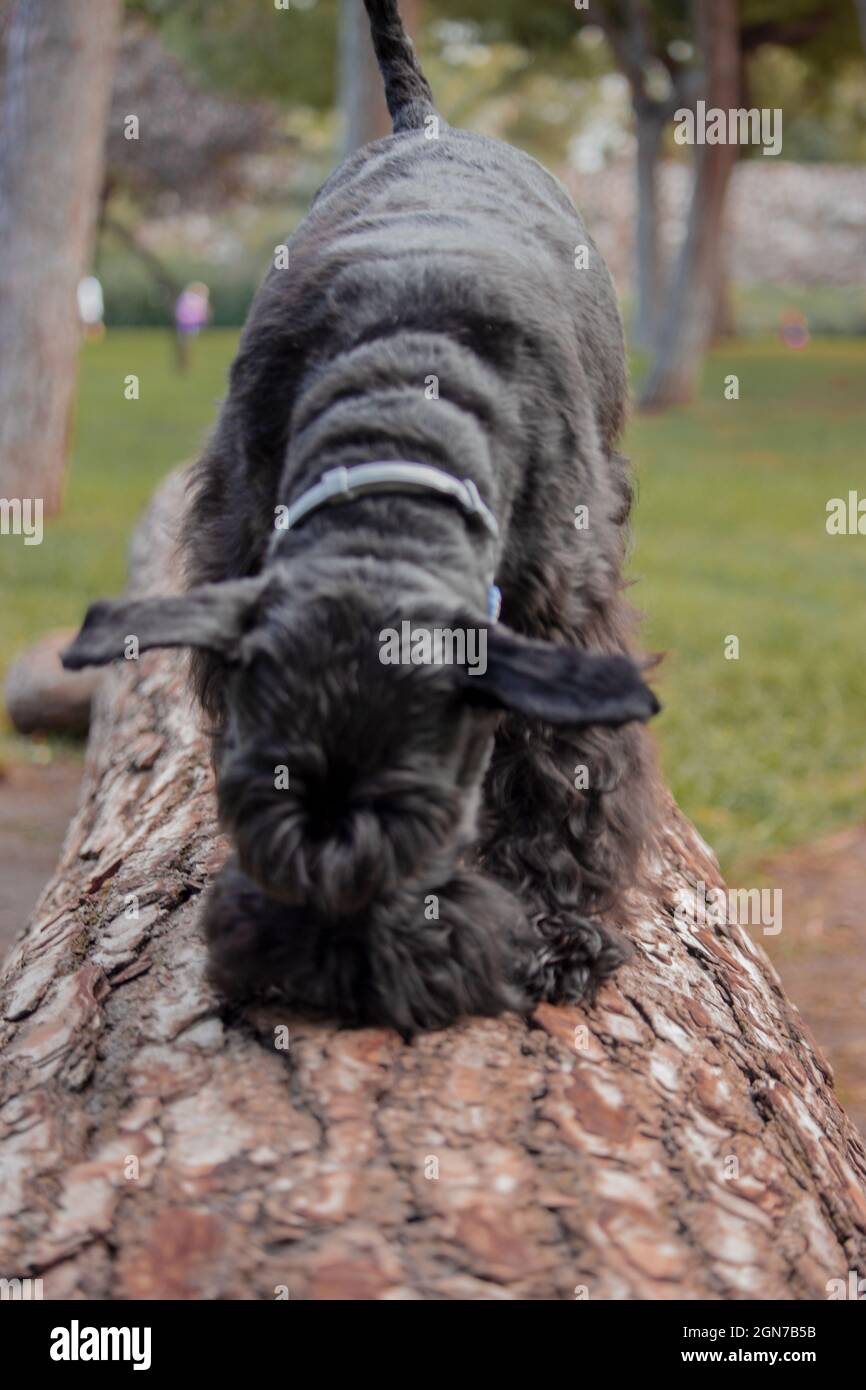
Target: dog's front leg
point(442, 951)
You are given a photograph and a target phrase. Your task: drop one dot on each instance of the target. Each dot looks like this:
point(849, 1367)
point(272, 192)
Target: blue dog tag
point(494, 603)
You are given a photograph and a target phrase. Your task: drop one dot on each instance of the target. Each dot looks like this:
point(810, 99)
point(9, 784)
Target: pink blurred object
point(192, 310)
point(794, 329)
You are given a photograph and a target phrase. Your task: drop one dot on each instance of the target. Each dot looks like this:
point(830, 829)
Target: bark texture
point(59, 63)
point(680, 1140)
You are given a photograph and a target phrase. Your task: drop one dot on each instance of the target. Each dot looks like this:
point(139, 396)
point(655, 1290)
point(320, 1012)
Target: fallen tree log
point(680, 1140)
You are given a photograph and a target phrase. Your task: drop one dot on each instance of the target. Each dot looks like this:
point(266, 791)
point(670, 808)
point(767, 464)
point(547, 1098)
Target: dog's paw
point(246, 935)
point(266, 951)
point(419, 961)
point(445, 954)
point(571, 957)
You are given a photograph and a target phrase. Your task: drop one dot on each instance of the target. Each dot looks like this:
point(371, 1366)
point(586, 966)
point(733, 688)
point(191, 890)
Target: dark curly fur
point(431, 855)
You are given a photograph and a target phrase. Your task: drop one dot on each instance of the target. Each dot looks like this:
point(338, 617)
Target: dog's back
point(459, 235)
point(448, 273)
point(473, 227)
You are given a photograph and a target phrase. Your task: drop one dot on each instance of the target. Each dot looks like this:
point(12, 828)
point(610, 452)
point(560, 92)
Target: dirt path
point(821, 952)
point(36, 804)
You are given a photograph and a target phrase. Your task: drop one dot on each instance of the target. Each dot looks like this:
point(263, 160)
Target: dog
point(423, 415)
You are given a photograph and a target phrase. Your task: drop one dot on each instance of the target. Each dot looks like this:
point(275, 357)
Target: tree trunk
point(169, 288)
point(55, 100)
point(690, 315)
point(724, 315)
point(362, 94)
point(679, 1140)
point(649, 123)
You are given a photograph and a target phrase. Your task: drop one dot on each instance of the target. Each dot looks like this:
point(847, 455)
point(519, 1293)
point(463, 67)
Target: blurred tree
point(254, 51)
point(291, 55)
point(652, 45)
point(823, 28)
point(690, 313)
point(643, 38)
point(190, 140)
point(697, 306)
point(190, 148)
point(807, 56)
point(361, 95)
point(56, 88)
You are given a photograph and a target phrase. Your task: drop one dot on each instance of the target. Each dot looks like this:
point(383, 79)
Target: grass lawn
point(730, 540)
point(767, 750)
point(122, 448)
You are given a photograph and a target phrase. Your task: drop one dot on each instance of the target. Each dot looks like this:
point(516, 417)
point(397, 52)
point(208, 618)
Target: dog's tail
point(407, 91)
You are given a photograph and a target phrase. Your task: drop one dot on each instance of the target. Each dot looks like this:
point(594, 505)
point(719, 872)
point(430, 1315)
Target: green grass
point(767, 750)
point(122, 448)
point(762, 752)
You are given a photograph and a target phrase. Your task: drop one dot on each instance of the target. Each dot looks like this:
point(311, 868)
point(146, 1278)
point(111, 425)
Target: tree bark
point(690, 316)
point(629, 34)
point(679, 1140)
point(52, 129)
point(724, 316)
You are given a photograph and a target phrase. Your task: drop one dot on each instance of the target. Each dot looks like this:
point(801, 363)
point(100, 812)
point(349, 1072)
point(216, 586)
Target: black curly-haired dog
point(449, 837)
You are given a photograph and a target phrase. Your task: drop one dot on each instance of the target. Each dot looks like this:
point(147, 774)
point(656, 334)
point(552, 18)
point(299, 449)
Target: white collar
point(344, 484)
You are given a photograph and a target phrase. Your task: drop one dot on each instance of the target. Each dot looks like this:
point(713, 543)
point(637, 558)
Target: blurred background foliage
point(240, 105)
point(530, 74)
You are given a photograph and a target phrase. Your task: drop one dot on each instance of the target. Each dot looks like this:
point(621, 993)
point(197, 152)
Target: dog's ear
point(214, 616)
point(558, 684)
